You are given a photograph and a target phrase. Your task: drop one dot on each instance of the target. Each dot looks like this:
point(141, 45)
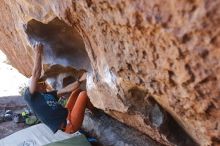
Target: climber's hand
point(83, 77)
point(38, 48)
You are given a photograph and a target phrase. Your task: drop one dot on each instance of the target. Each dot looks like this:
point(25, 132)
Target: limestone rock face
point(11, 44)
point(150, 63)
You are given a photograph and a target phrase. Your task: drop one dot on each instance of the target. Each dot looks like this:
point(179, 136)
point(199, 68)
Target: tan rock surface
point(168, 50)
point(11, 43)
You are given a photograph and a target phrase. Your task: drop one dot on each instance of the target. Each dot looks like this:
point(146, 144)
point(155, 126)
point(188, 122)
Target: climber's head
point(41, 85)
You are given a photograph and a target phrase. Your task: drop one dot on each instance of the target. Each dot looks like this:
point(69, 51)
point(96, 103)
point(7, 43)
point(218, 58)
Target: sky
point(11, 80)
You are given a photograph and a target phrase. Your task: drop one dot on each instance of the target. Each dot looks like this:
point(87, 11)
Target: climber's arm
point(71, 87)
point(36, 73)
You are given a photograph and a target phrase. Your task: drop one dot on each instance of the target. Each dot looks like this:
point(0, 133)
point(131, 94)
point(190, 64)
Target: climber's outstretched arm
point(36, 72)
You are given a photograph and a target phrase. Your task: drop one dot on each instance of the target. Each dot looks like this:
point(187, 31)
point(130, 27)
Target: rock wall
point(110, 132)
point(148, 61)
point(11, 41)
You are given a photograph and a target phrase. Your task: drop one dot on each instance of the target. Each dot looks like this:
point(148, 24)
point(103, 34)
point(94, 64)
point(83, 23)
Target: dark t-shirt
point(46, 108)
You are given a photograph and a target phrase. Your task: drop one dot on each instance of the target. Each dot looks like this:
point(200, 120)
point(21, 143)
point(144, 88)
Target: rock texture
point(11, 42)
point(146, 59)
point(110, 132)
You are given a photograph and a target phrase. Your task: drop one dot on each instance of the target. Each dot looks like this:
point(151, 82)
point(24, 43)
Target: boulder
point(149, 63)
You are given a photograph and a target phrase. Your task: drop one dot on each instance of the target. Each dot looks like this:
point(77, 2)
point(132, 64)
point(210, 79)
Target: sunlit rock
point(152, 65)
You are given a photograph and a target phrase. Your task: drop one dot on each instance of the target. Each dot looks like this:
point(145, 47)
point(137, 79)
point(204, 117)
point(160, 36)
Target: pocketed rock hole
point(157, 117)
point(65, 55)
point(62, 43)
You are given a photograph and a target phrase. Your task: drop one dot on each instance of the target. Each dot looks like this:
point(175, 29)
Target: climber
point(45, 104)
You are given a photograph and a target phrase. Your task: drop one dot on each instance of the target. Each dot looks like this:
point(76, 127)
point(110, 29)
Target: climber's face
point(41, 86)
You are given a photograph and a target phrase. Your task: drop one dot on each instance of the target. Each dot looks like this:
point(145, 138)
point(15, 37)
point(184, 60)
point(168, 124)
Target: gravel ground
point(11, 83)
point(16, 104)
